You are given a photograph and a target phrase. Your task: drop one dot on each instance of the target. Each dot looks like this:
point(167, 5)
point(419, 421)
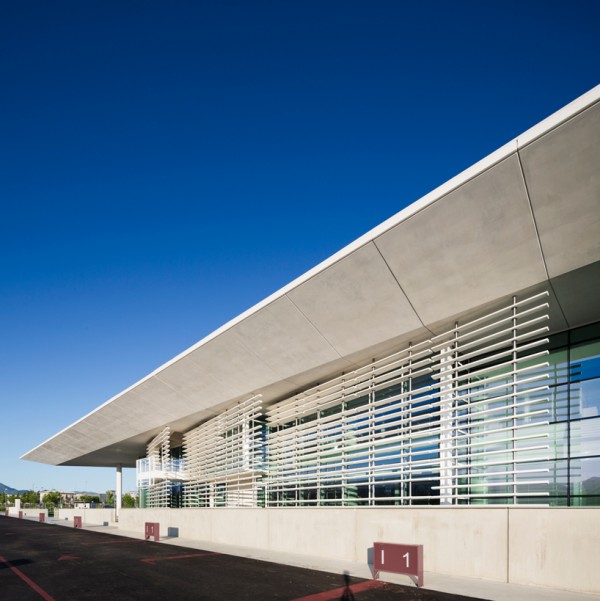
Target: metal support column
point(119, 491)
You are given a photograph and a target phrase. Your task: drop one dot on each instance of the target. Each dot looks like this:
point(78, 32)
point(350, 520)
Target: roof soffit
point(356, 303)
point(465, 245)
point(476, 244)
point(562, 171)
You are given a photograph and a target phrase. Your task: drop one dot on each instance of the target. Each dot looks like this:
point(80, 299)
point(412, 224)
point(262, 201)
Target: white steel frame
point(225, 458)
point(151, 471)
point(459, 418)
point(452, 419)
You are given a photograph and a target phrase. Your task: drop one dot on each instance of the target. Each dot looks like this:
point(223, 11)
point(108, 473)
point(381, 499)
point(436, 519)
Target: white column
point(119, 491)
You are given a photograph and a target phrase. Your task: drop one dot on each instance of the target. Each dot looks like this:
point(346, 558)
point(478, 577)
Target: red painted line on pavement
point(40, 591)
point(153, 560)
point(336, 593)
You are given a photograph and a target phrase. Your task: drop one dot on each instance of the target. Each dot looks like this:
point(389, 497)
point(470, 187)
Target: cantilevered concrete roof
point(525, 217)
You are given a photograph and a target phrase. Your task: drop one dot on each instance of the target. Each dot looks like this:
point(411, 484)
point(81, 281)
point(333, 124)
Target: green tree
point(128, 501)
point(110, 498)
point(30, 497)
point(52, 498)
point(89, 499)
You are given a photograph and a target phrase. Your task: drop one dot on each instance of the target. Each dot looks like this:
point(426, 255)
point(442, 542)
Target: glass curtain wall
point(498, 413)
point(494, 411)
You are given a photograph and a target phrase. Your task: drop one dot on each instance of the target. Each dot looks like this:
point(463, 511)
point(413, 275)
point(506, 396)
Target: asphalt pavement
point(55, 563)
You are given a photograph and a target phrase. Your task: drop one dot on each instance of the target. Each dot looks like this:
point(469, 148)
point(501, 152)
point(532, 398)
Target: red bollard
point(20, 515)
point(152, 529)
point(42, 518)
point(77, 523)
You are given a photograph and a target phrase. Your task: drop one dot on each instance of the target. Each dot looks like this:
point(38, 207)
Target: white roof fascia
point(532, 134)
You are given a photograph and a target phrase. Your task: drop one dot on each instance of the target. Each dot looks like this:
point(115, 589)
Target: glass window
point(545, 405)
point(585, 361)
point(387, 493)
point(389, 391)
point(557, 369)
point(558, 341)
point(585, 476)
point(585, 399)
point(585, 501)
point(331, 410)
point(425, 488)
point(544, 441)
point(356, 493)
point(543, 478)
point(355, 403)
point(586, 333)
point(552, 501)
point(585, 437)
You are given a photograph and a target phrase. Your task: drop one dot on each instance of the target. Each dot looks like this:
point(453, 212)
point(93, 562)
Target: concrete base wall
point(27, 513)
point(555, 547)
point(93, 517)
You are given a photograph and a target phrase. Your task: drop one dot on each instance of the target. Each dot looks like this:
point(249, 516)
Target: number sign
point(399, 559)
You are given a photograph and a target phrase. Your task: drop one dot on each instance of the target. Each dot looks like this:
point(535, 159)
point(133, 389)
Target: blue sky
point(166, 165)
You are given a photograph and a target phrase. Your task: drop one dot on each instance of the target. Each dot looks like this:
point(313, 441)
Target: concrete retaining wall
point(555, 547)
point(27, 513)
point(95, 517)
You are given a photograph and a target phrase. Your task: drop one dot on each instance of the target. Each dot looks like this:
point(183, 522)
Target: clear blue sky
point(166, 165)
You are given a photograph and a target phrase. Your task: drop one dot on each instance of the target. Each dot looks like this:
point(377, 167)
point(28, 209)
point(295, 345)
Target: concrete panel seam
point(537, 234)
point(508, 544)
point(400, 286)
point(535, 225)
point(314, 326)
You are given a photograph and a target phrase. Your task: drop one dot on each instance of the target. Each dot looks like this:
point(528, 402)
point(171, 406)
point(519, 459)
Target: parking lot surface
point(56, 563)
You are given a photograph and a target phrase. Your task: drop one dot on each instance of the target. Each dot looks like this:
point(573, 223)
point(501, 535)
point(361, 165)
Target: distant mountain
point(8, 490)
point(13, 491)
point(591, 486)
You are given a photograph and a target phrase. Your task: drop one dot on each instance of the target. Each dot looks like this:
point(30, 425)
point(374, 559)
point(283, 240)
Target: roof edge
point(564, 114)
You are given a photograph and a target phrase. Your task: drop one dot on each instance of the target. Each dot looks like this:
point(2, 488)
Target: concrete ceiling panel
point(285, 339)
point(562, 171)
point(235, 365)
point(193, 382)
point(356, 303)
point(474, 245)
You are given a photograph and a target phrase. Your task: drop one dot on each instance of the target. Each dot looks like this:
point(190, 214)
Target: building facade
point(437, 382)
point(494, 411)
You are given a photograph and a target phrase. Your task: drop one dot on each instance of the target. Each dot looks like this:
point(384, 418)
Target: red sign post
point(399, 559)
point(77, 521)
point(42, 518)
